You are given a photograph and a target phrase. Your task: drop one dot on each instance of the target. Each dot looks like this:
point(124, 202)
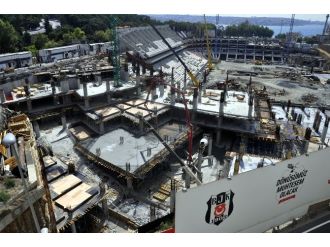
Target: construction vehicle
point(209, 54)
point(191, 75)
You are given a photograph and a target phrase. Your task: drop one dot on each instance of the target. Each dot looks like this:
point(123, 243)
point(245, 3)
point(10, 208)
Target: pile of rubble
point(309, 98)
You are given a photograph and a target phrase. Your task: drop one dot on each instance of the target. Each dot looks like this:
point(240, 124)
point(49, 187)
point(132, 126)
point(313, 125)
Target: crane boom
point(191, 75)
point(209, 55)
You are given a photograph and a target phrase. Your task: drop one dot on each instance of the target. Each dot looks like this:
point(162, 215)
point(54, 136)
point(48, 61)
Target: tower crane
point(209, 54)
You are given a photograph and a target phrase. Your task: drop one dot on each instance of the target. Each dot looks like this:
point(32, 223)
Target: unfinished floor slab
point(130, 150)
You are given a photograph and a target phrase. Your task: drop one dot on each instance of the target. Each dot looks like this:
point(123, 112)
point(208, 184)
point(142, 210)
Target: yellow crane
point(209, 54)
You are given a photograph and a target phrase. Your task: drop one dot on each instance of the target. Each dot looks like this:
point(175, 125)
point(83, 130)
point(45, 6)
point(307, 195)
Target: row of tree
point(246, 29)
point(74, 29)
point(95, 28)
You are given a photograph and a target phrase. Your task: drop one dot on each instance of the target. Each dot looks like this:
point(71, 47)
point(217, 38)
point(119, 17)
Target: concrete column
point(151, 72)
point(124, 72)
point(209, 150)
point(138, 81)
point(219, 131)
point(152, 213)
point(153, 94)
point(316, 119)
point(143, 70)
point(107, 84)
point(195, 95)
point(63, 120)
point(101, 127)
point(73, 227)
point(288, 106)
point(129, 183)
point(36, 128)
point(250, 106)
point(161, 90)
point(172, 196)
point(185, 80)
point(172, 88)
point(178, 94)
point(199, 165)
point(2, 96)
point(299, 118)
point(86, 100)
point(221, 103)
point(141, 126)
point(325, 130)
point(29, 103)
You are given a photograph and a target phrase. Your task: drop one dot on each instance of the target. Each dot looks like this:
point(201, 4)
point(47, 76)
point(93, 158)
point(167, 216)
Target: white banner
point(257, 200)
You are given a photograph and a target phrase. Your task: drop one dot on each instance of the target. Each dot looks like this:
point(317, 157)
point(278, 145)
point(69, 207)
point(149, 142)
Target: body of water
point(306, 30)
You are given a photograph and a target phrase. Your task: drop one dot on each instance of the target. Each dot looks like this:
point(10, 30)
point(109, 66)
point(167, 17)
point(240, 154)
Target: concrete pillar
point(143, 70)
point(152, 213)
point(153, 94)
point(185, 80)
point(124, 74)
point(219, 131)
point(86, 100)
point(161, 90)
point(29, 103)
point(73, 227)
point(195, 95)
point(101, 127)
point(172, 88)
point(288, 106)
point(138, 92)
point(129, 182)
point(36, 128)
point(172, 196)
point(107, 84)
point(141, 124)
point(209, 150)
point(151, 71)
point(317, 123)
point(299, 118)
point(2, 96)
point(199, 165)
point(316, 119)
point(178, 94)
point(63, 120)
point(250, 106)
point(221, 103)
point(325, 130)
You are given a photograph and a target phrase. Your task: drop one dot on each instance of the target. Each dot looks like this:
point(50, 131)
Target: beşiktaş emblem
point(292, 179)
point(219, 208)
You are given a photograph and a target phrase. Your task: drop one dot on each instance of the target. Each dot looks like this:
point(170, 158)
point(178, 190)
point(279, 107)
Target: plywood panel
point(63, 184)
point(75, 197)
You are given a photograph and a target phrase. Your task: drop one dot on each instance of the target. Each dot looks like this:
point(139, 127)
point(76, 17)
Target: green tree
point(48, 27)
point(79, 34)
point(8, 37)
point(40, 40)
point(26, 39)
point(102, 36)
point(51, 44)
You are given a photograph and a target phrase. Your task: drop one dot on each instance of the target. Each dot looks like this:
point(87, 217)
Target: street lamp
point(10, 140)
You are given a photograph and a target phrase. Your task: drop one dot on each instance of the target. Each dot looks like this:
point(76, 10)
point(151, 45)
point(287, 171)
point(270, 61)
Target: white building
point(15, 60)
point(97, 48)
point(64, 52)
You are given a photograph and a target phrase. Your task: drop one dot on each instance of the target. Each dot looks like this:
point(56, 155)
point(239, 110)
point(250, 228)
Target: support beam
point(107, 84)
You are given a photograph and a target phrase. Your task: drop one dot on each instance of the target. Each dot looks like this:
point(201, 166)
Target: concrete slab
point(250, 163)
point(133, 150)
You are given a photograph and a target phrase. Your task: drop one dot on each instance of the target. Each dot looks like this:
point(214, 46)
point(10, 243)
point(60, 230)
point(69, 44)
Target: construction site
point(103, 142)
